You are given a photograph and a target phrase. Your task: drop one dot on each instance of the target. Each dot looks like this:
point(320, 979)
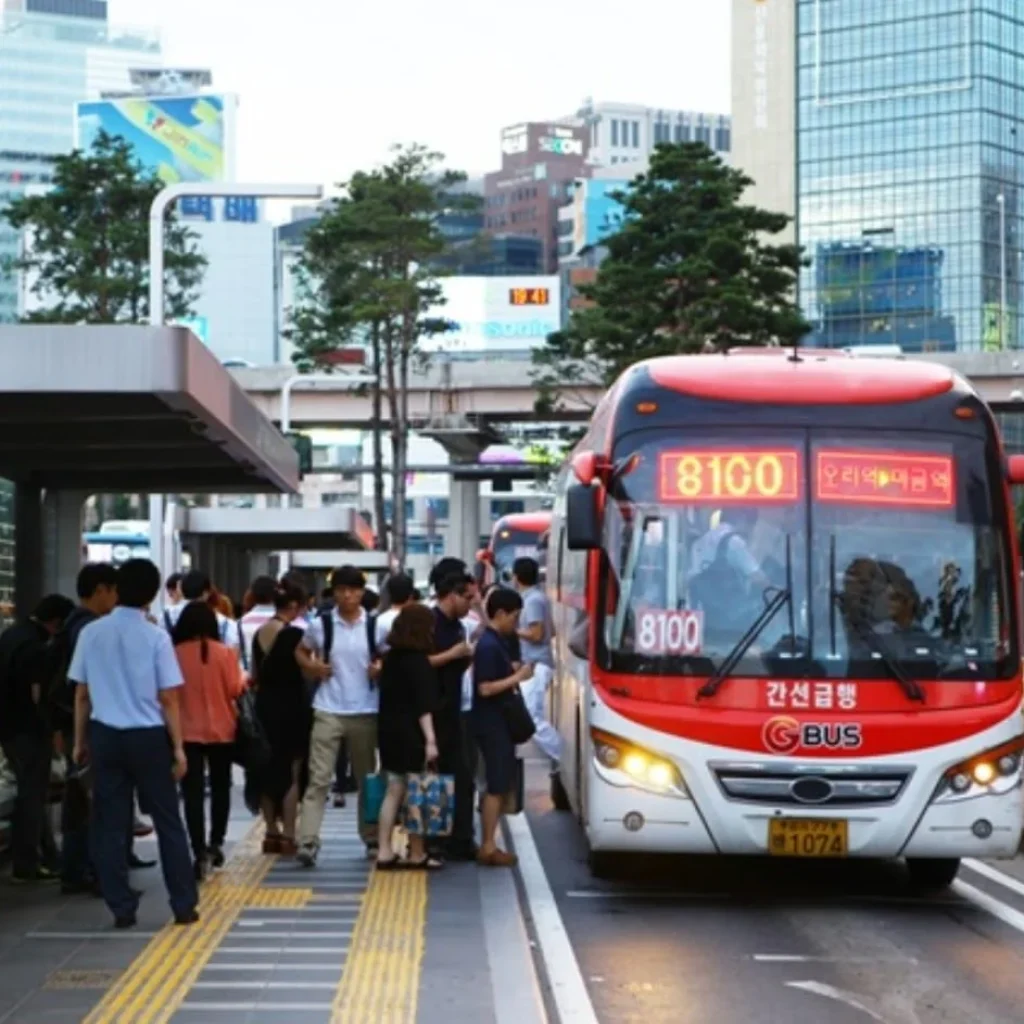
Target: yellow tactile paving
point(381, 979)
point(155, 985)
point(289, 898)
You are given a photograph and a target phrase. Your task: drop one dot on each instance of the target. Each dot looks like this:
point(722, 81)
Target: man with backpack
point(340, 650)
point(26, 734)
point(196, 586)
point(96, 587)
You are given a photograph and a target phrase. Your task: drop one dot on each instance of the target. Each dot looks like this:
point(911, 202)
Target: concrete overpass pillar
point(62, 522)
point(463, 537)
point(28, 547)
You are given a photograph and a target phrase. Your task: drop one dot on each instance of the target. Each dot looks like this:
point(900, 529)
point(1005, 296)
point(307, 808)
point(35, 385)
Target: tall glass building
point(908, 149)
point(53, 54)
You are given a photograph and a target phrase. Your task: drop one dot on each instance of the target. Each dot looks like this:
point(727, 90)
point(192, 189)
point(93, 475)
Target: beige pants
point(360, 731)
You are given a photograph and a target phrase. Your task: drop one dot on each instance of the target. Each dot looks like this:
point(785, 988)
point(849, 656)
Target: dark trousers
point(218, 758)
point(124, 760)
point(29, 755)
point(344, 780)
point(454, 756)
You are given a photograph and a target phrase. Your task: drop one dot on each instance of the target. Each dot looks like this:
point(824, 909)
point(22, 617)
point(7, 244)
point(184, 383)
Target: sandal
point(428, 863)
point(391, 864)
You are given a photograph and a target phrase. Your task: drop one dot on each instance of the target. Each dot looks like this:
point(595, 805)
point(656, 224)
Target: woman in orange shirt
point(209, 719)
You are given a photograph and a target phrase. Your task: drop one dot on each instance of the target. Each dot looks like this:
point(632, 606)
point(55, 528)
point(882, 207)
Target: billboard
point(180, 138)
point(860, 279)
point(596, 214)
point(497, 314)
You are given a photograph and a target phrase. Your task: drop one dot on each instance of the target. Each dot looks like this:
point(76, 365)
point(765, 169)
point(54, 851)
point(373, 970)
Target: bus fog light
point(984, 772)
point(982, 828)
point(608, 755)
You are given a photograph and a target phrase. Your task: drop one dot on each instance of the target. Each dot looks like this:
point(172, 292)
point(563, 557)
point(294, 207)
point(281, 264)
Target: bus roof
point(817, 376)
point(529, 522)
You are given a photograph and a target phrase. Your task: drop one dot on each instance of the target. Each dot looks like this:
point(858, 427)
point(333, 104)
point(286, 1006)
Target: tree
point(369, 273)
point(89, 241)
point(690, 269)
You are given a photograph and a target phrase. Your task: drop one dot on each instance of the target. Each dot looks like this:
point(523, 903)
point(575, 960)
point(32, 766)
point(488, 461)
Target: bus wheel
point(932, 874)
point(559, 796)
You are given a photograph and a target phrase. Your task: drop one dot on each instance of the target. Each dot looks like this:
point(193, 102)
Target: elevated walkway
point(278, 943)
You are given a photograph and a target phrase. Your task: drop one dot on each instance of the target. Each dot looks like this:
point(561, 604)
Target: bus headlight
point(992, 772)
point(622, 763)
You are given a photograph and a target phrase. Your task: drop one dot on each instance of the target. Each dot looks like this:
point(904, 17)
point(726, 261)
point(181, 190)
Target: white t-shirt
point(469, 624)
point(227, 628)
point(384, 623)
point(348, 691)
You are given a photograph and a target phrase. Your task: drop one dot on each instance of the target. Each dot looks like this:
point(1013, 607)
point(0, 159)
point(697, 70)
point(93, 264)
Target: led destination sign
point(724, 476)
point(863, 477)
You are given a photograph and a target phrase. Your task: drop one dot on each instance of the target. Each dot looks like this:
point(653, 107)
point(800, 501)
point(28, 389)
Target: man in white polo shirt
point(340, 647)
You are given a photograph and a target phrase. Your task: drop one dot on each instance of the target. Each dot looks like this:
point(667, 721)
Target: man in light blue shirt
point(128, 729)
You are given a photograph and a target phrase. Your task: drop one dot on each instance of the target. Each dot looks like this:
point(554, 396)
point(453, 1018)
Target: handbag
point(252, 748)
point(371, 796)
point(517, 716)
point(430, 805)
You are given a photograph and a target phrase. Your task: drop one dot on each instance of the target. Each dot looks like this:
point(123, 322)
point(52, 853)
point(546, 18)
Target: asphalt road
point(738, 941)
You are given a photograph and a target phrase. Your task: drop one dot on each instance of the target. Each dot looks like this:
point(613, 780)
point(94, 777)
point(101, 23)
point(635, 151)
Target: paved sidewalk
point(276, 942)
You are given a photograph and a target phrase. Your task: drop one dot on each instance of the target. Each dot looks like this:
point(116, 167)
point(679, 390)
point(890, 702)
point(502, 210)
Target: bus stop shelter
point(119, 409)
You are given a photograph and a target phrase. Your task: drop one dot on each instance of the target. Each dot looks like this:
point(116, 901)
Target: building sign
point(514, 140)
point(488, 318)
point(231, 209)
point(761, 65)
point(561, 147)
point(179, 138)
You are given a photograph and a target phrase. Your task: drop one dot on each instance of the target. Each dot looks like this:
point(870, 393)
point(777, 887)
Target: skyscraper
point(899, 122)
point(53, 54)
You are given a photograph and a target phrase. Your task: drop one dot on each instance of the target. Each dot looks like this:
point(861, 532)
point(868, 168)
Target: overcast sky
point(326, 86)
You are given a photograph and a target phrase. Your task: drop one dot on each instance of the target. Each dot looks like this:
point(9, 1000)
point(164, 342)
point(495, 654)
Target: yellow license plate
point(808, 837)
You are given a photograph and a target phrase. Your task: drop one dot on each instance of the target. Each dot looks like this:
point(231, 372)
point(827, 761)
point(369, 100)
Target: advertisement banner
point(597, 215)
point(180, 138)
point(497, 314)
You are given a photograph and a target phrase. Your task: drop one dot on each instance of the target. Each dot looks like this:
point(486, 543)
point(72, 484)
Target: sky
point(328, 86)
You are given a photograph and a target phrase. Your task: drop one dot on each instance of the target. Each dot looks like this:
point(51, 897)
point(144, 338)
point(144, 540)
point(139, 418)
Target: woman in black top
point(283, 708)
point(405, 725)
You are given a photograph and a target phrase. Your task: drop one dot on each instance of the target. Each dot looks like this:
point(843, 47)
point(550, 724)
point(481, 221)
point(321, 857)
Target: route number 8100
point(723, 476)
point(663, 632)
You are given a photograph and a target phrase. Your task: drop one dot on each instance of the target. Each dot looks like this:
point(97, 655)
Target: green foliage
point(689, 270)
point(368, 276)
point(89, 255)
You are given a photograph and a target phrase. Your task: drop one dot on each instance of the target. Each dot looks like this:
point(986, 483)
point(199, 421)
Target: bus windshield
point(510, 544)
point(817, 553)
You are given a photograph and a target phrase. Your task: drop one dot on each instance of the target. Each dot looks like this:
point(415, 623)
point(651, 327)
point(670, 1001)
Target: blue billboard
point(602, 215)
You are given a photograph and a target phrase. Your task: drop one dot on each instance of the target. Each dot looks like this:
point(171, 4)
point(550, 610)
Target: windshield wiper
point(756, 628)
point(911, 687)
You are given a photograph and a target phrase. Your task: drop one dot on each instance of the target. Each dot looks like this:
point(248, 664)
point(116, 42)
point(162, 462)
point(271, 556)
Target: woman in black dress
point(405, 725)
point(283, 708)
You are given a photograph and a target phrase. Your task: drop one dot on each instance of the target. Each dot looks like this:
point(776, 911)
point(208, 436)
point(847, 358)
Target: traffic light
point(303, 445)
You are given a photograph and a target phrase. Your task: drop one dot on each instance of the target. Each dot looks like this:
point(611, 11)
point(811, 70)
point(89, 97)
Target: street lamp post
point(157, 288)
point(1001, 200)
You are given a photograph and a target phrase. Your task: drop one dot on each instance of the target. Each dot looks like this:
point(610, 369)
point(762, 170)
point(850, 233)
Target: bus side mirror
point(1016, 470)
point(582, 518)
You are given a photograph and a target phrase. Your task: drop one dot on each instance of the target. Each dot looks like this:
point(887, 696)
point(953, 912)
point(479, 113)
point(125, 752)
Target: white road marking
point(257, 984)
point(291, 935)
point(283, 950)
point(795, 958)
point(249, 923)
point(995, 875)
point(1005, 913)
point(669, 895)
point(244, 965)
point(819, 988)
point(250, 1006)
point(569, 990)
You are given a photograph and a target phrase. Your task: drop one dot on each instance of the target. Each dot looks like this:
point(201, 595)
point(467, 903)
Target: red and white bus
point(787, 614)
point(514, 536)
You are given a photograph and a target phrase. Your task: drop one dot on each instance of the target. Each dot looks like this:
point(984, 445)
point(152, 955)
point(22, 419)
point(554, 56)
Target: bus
point(787, 615)
point(514, 536)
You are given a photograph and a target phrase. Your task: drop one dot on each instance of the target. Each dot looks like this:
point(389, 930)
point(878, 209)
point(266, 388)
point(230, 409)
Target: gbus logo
point(783, 734)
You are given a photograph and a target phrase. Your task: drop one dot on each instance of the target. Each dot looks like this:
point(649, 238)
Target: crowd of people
point(147, 708)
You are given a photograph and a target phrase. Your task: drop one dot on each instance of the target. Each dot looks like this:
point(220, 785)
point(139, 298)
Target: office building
point(53, 54)
point(890, 131)
point(539, 162)
point(626, 133)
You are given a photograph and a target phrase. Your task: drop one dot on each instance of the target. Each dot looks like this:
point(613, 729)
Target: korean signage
point(179, 138)
point(231, 209)
point(760, 65)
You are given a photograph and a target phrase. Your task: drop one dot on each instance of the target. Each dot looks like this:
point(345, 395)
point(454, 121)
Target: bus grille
point(810, 785)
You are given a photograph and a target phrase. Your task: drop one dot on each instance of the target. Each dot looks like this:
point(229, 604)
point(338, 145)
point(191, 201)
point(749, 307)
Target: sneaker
point(307, 854)
point(41, 874)
point(188, 917)
point(339, 800)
